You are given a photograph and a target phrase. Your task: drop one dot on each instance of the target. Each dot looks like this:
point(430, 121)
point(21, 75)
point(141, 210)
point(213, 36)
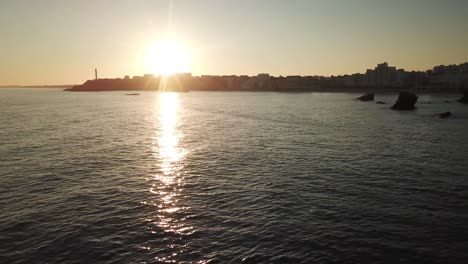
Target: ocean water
point(213, 177)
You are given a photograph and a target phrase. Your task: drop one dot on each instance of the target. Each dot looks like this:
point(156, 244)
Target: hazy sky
point(61, 42)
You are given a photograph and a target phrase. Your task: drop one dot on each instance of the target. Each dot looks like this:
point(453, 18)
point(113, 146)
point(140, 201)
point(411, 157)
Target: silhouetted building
point(449, 78)
point(381, 76)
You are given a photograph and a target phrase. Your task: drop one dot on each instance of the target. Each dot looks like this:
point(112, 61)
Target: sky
point(61, 42)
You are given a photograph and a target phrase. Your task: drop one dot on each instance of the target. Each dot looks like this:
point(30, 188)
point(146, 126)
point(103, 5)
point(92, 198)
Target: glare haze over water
point(213, 177)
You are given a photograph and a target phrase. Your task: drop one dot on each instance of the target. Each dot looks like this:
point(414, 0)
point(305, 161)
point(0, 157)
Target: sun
point(167, 58)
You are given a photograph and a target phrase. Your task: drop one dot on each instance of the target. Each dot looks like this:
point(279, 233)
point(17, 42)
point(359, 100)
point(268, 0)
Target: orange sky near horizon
point(61, 42)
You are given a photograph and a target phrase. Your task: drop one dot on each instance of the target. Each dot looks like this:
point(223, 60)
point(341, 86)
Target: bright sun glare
point(168, 57)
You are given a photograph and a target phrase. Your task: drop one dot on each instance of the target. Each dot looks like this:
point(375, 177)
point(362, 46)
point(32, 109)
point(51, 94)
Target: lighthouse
point(95, 73)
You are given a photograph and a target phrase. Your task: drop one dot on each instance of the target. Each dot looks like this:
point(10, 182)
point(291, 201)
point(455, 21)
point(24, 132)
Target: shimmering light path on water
point(230, 177)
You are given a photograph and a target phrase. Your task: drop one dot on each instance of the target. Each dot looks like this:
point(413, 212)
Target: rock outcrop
point(464, 99)
point(444, 115)
point(366, 97)
point(405, 101)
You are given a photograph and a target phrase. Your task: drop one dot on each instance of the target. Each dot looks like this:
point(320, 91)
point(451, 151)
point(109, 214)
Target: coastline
point(312, 90)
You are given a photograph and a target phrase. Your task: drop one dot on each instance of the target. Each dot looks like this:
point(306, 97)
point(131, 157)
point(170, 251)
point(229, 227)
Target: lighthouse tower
point(95, 73)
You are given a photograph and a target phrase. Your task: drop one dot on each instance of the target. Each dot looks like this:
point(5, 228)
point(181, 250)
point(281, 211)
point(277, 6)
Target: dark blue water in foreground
point(230, 178)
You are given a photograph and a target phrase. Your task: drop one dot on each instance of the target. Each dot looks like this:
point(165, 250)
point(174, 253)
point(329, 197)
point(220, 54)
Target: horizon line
point(280, 75)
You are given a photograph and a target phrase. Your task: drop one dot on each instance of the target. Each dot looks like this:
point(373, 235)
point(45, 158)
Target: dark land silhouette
point(446, 79)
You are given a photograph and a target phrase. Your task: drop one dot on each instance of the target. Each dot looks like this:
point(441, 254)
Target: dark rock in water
point(133, 94)
point(380, 102)
point(444, 115)
point(464, 99)
point(366, 97)
point(405, 101)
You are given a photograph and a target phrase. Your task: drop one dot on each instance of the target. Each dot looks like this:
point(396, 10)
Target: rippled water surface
point(206, 177)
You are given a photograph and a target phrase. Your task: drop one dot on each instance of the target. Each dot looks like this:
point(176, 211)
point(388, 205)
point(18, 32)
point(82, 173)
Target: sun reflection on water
point(168, 181)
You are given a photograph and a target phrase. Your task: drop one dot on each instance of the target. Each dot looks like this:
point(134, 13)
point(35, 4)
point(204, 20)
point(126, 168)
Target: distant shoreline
point(314, 90)
point(383, 78)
